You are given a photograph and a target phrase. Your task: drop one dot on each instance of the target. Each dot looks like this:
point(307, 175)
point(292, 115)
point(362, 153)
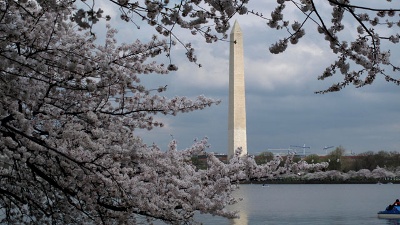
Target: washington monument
point(237, 103)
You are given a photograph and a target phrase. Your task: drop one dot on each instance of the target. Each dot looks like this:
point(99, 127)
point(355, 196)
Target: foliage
point(69, 111)
point(360, 34)
point(338, 160)
point(361, 56)
point(367, 166)
point(335, 158)
point(355, 176)
point(313, 158)
point(70, 107)
point(263, 157)
point(371, 160)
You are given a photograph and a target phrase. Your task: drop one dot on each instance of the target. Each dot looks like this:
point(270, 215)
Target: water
point(311, 204)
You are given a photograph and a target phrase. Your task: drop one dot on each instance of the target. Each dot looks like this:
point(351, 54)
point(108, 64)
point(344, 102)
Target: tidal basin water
point(311, 204)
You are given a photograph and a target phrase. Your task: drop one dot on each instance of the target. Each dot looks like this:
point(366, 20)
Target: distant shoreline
point(322, 182)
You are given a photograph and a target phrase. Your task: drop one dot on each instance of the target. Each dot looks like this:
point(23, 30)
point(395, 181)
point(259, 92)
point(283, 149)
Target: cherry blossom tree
point(70, 106)
point(69, 111)
point(381, 173)
point(360, 33)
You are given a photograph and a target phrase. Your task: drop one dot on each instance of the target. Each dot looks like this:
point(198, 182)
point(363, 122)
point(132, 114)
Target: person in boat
point(396, 203)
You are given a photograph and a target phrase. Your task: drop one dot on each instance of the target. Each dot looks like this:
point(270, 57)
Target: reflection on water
point(241, 193)
point(243, 220)
point(392, 221)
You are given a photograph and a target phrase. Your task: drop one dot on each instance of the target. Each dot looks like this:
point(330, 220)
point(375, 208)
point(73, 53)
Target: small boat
point(390, 213)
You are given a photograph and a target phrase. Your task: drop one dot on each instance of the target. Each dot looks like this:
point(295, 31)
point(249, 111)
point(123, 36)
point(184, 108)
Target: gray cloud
point(282, 109)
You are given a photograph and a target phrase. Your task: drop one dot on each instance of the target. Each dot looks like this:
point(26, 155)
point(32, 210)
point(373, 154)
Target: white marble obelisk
point(237, 136)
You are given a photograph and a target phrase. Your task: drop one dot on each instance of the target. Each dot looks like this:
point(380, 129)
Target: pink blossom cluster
point(69, 111)
point(209, 18)
point(70, 107)
point(378, 173)
point(361, 56)
point(362, 53)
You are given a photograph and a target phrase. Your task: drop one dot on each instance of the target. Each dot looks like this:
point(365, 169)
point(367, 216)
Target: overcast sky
point(282, 109)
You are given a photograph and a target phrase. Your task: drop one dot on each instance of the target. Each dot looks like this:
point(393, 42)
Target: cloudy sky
point(282, 109)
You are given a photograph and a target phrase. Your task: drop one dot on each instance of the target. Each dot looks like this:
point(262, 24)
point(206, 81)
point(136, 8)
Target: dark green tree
point(263, 157)
point(335, 158)
point(313, 158)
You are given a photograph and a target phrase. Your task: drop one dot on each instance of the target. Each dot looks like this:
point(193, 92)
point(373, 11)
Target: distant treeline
point(367, 160)
point(337, 160)
point(367, 167)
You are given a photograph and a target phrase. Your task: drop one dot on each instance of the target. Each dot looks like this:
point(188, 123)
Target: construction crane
point(281, 150)
point(304, 147)
point(326, 149)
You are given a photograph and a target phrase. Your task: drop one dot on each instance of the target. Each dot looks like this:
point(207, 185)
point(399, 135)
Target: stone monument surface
point(237, 136)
